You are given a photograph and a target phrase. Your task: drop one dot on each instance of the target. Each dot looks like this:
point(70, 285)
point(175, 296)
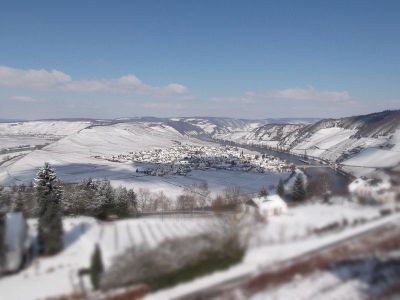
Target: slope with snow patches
point(42, 128)
point(74, 155)
point(81, 155)
point(361, 144)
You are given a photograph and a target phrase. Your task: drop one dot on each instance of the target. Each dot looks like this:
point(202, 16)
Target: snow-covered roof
point(371, 185)
point(271, 203)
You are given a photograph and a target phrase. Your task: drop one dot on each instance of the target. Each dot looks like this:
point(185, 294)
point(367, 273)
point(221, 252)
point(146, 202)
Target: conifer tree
point(263, 192)
point(96, 267)
point(280, 189)
point(299, 191)
point(104, 198)
point(49, 195)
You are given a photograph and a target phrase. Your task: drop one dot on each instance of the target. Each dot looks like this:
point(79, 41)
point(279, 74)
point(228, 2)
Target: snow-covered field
point(281, 237)
point(42, 128)
point(306, 220)
point(376, 157)
point(58, 275)
point(269, 254)
point(73, 156)
point(74, 159)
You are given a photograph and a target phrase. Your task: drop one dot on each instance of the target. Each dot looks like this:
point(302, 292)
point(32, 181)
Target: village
point(183, 158)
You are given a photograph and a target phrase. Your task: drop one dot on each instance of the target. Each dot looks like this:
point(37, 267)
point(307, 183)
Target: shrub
point(173, 261)
point(96, 267)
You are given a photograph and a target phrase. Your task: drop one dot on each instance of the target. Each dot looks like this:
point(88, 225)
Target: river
point(337, 182)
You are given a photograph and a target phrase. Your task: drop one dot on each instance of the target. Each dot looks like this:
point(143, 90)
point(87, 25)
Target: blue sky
point(251, 59)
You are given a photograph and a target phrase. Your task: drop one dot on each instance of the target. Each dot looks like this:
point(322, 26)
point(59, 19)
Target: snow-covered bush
point(372, 191)
point(174, 260)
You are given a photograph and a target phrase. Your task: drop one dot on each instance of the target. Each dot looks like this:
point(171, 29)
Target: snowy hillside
point(361, 143)
point(47, 128)
point(73, 156)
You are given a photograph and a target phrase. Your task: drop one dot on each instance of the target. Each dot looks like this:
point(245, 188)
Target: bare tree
point(143, 199)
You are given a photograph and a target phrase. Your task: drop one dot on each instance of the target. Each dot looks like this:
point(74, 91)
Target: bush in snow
point(372, 190)
point(263, 192)
point(173, 261)
point(48, 195)
point(96, 267)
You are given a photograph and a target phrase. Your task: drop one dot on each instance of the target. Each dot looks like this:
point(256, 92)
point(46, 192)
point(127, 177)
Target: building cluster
point(181, 159)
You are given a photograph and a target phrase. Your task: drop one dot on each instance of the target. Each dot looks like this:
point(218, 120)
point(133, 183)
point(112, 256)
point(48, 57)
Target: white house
point(17, 241)
point(272, 205)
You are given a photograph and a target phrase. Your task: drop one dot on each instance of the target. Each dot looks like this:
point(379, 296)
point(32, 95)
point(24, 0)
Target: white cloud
point(176, 88)
point(162, 105)
point(57, 80)
point(309, 94)
point(234, 100)
point(23, 99)
point(31, 78)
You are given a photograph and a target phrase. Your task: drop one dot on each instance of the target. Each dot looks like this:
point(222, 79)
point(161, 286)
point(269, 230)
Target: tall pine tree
point(96, 267)
point(299, 191)
point(104, 198)
point(49, 195)
point(280, 189)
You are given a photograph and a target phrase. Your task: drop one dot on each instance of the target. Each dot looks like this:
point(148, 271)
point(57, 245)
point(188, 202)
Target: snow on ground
point(218, 180)
point(366, 153)
point(300, 222)
point(259, 257)
point(57, 275)
point(73, 156)
point(358, 155)
point(15, 141)
point(376, 157)
point(320, 285)
point(368, 277)
point(73, 159)
point(42, 128)
point(281, 238)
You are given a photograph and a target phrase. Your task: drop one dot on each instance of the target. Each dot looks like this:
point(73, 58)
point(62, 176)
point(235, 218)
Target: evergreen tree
point(299, 191)
point(104, 199)
point(280, 189)
point(49, 195)
point(96, 267)
point(263, 192)
point(121, 208)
